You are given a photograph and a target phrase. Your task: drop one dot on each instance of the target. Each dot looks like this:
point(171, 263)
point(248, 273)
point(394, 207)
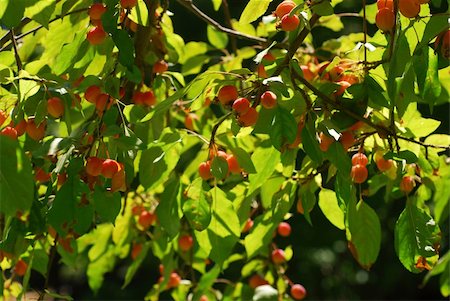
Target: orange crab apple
point(250, 118)
point(269, 100)
point(55, 107)
point(289, 23)
point(227, 94)
point(96, 35)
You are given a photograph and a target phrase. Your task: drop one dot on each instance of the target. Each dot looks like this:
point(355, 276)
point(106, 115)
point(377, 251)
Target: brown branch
point(295, 45)
point(16, 52)
point(426, 145)
point(226, 12)
point(195, 10)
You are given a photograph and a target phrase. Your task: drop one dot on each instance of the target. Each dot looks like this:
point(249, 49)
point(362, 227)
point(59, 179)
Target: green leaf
point(12, 12)
point(244, 159)
point(106, 204)
point(139, 14)
point(219, 168)
point(322, 8)
point(125, 46)
point(417, 238)
point(363, 233)
point(328, 203)
point(68, 54)
point(253, 10)
point(265, 160)
point(168, 210)
point(156, 165)
point(339, 157)
point(41, 11)
point(99, 267)
point(283, 128)
point(217, 38)
point(310, 143)
point(438, 139)
point(264, 225)
point(196, 208)
point(16, 178)
point(426, 69)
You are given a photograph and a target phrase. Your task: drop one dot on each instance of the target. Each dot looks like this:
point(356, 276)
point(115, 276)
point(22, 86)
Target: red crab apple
point(204, 170)
point(136, 250)
point(96, 35)
point(250, 118)
point(278, 256)
point(55, 107)
point(256, 281)
point(96, 11)
point(174, 280)
point(227, 94)
point(110, 168)
point(146, 219)
point(385, 4)
point(3, 117)
point(233, 164)
point(128, 3)
point(160, 66)
point(9, 132)
point(94, 166)
point(241, 105)
point(385, 19)
point(185, 242)
point(21, 267)
point(36, 132)
point(360, 158)
point(407, 184)
point(284, 8)
point(284, 229)
point(269, 100)
point(409, 8)
point(298, 292)
point(91, 93)
point(359, 173)
point(290, 23)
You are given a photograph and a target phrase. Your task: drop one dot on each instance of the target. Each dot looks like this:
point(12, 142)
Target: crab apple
point(307, 73)
point(96, 35)
point(9, 132)
point(36, 132)
point(94, 166)
point(407, 184)
point(289, 23)
point(385, 19)
point(284, 229)
point(3, 117)
point(284, 8)
point(204, 170)
point(227, 94)
point(360, 158)
point(128, 3)
point(102, 102)
point(409, 8)
point(96, 11)
point(443, 41)
point(233, 164)
point(256, 281)
point(174, 280)
point(19, 127)
point(336, 72)
point(185, 242)
point(241, 105)
point(269, 100)
point(382, 163)
point(189, 121)
point(278, 256)
point(146, 219)
point(385, 4)
point(160, 66)
point(343, 85)
point(55, 107)
point(298, 292)
point(219, 153)
point(136, 250)
point(137, 209)
point(347, 139)
point(118, 181)
point(110, 168)
point(325, 142)
point(21, 267)
point(250, 118)
point(248, 225)
point(262, 71)
point(91, 93)
point(148, 98)
point(359, 173)
point(41, 176)
point(62, 178)
point(424, 1)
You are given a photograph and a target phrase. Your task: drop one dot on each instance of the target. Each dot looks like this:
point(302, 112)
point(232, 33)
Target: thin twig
point(194, 9)
point(365, 31)
point(226, 12)
point(296, 44)
point(16, 52)
point(216, 127)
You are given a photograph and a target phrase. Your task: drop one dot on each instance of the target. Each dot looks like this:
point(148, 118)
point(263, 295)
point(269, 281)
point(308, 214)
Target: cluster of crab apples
point(385, 17)
point(288, 21)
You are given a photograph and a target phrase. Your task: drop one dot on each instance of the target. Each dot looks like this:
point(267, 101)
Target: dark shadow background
point(321, 262)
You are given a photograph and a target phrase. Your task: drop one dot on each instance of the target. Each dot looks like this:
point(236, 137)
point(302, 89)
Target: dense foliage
point(120, 139)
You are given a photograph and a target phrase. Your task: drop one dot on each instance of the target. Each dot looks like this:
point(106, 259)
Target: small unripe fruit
point(284, 8)
point(385, 19)
point(189, 121)
point(110, 168)
point(96, 11)
point(409, 8)
point(91, 93)
point(248, 225)
point(386, 4)
point(298, 292)
point(407, 184)
point(290, 23)
point(248, 119)
point(284, 229)
point(278, 256)
point(359, 173)
point(241, 105)
point(94, 166)
point(20, 268)
point(146, 219)
point(174, 280)
point(185, 242)
point(36, 132)
point(55, 107)
point(227, 94)
point(325, 142)
point(96, 35)
point(360, 158)
point(128, 3)
point(269, 100)
point(204, 170)
point(233, 164)
point(256, 281)
point(136, 250)
point(160, 67)
point(9, 132)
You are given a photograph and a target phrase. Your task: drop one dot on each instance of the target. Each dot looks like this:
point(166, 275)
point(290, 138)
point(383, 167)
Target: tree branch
point(196, 11)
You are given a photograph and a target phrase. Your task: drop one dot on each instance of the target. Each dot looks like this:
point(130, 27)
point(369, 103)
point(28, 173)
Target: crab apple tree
point(242, 148)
